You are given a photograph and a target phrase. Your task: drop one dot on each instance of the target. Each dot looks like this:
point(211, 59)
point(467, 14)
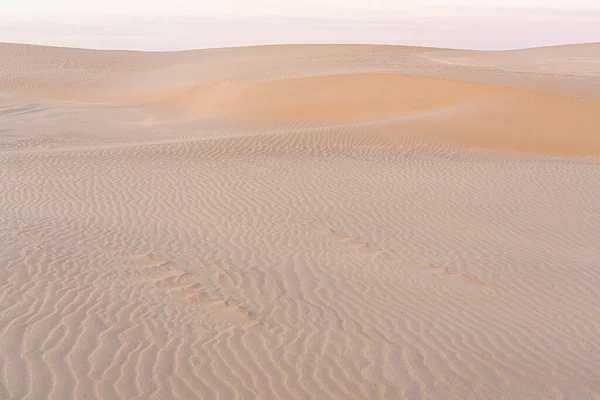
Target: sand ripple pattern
point(145, 257)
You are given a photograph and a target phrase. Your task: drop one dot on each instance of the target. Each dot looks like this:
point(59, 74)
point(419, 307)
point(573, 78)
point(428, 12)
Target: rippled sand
point(300, 222)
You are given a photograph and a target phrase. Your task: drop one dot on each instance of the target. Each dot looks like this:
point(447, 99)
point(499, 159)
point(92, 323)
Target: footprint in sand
point(233, 312)
point(164, 275)
point(34, 236)
point(185, 286)
point(354, 242)
point(445, 271)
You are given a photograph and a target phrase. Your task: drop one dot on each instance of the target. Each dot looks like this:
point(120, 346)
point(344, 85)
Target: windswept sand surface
point(300, 222)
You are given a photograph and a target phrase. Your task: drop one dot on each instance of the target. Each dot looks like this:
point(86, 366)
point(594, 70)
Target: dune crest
point(333, 98)
point(456, 100)
point(466, 113)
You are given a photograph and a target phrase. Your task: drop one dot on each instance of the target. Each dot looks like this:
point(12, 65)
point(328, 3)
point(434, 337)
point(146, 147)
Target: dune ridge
point(203, 225)
point(512, 116)
point(466, 113)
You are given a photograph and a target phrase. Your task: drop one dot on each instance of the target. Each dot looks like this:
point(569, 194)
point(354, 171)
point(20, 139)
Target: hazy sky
point(305, 8)
point(178, 24)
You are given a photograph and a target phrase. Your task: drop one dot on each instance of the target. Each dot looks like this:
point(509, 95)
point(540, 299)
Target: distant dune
point(471, 98)
point(300, 222)
point(465, 113)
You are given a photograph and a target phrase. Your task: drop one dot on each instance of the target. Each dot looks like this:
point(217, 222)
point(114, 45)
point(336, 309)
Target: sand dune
point(465, 113)
point(299, 222)
point(512, 116)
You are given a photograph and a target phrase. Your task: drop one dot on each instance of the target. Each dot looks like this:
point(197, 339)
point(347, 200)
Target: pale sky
point(251, 8)
point(191, 24)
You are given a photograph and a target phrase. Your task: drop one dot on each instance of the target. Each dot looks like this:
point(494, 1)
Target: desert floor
point(300, 222)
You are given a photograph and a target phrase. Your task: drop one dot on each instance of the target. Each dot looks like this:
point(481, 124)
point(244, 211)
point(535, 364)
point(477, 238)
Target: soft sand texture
point(351, 222)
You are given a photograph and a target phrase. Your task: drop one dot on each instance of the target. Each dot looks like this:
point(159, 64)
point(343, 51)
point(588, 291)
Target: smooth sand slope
point(300, 222)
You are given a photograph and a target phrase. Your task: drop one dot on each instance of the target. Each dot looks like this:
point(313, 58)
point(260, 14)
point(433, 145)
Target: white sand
point(311, 222)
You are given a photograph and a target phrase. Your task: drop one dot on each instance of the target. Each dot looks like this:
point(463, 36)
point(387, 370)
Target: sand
point(300, 222)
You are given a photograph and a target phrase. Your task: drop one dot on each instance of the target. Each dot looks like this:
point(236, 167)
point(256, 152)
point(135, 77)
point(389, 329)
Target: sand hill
point(300, 222)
